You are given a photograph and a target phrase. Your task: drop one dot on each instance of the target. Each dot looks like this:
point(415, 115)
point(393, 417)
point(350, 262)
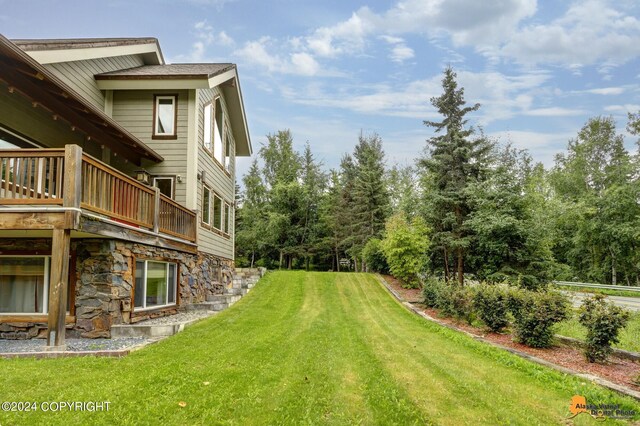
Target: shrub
point(603, 321)
point(534, 315)
point(431, 291)
point(456, 301)
point(490, 303)
point(374, 256)
point(405, 248)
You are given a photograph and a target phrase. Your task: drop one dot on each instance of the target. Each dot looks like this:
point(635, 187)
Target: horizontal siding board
point(80, 74)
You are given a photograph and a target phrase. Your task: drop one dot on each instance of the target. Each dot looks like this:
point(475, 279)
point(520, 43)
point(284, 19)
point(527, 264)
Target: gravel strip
point(73, 345)
point(178, 318)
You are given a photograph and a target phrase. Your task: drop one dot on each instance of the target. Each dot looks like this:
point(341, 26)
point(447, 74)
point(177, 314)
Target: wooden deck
point(34, 181)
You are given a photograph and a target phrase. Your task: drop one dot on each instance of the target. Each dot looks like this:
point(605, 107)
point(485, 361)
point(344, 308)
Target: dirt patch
point(617, 370)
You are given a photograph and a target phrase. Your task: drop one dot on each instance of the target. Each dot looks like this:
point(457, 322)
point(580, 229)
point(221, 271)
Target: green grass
point(305, 348)
point(606, 291)
point(629, 337)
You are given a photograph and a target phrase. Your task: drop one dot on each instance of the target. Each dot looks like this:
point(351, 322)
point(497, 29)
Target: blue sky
point(329, 69)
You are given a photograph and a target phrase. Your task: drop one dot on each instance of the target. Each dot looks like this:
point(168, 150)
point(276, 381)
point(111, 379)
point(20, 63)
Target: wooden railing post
point(156, 210)
point(60, 247)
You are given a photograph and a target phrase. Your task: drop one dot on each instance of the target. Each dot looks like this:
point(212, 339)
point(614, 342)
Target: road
point(629, 303)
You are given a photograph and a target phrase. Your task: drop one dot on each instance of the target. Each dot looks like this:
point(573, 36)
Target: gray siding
point(79, 74)
point(220, 182)
point(133, 109)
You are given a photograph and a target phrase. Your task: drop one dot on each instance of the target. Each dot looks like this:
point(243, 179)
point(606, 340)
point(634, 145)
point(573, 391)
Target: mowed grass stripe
point(304, 348)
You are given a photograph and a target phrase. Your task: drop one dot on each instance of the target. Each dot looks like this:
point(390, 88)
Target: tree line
point(469, 207)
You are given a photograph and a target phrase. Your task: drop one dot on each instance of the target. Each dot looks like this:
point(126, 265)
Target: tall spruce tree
point(455, 159)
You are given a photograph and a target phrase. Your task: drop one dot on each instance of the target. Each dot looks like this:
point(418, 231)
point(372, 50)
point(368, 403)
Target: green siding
point(133, 109)
point(79, 74)
point(216, 179)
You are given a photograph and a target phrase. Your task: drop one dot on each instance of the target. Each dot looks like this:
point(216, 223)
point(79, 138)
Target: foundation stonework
point(104, 280)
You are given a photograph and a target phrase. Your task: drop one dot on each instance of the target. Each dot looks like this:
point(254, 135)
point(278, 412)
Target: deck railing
point(31, 176)
point(36, 176)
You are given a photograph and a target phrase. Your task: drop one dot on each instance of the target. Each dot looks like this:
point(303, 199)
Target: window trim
point(219, 197)
point(172, 178)
point(45, 287)
point(227, 218)
point(202, 221)
point(168, 262)
point(156, 99)
point(204, 126)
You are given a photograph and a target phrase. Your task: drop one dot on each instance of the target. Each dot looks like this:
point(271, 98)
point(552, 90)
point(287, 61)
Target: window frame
point(156, 103)
point(209, 104)
point(206, 187)
point(217, 107)
point(133, 288)
point(221, 215)
point(227, 154)
point(227, 218)
point(172, 178)
point(45, 287)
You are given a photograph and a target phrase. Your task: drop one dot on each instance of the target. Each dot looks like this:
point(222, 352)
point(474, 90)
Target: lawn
point(629, 336)
point(305, 348)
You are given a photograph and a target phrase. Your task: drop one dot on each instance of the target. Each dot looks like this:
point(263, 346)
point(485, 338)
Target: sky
point(329, 70)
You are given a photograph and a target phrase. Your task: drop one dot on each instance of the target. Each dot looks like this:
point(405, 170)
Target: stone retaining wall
point(104, 281)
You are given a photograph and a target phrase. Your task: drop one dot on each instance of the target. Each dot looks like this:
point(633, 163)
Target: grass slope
point(304, 348)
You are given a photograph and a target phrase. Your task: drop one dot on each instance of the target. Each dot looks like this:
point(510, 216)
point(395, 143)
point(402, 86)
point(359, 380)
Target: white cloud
point(399, 49)
point(590, 32)
point(607, 91)
point(542, 146)
point(622, 108)
point(258, 53)
point(555, 112)
point(205, 37)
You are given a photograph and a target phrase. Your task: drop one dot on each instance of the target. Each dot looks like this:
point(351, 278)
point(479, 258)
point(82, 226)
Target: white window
point(206, 205)
point(227, 154)
point(218, 125)
point(165, 184)
point(165, 116)
point(207, 140)
point(24, 284)
point(156, 284)
point(217, 212)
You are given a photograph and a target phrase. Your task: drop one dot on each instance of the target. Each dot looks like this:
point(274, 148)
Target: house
point(117, 184)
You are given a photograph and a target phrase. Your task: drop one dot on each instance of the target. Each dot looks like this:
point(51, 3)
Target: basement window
point(156, 284)
point(165, 116)
point(24, 284)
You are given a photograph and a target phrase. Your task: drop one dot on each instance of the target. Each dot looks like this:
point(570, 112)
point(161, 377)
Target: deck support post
point(60, 247)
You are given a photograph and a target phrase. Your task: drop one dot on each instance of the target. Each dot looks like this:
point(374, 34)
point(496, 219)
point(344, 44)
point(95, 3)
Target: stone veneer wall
point(104, 283)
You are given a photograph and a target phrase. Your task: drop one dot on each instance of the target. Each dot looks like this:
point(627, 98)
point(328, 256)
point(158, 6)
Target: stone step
point(207, 306)
point(224, 298)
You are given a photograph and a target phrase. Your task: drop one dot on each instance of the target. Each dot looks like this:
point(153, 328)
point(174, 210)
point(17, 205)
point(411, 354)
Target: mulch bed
point(616, 370)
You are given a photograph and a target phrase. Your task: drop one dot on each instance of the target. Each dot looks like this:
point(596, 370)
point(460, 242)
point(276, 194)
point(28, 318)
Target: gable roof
point(24, 74)
point(188, 76)
point(47, 51)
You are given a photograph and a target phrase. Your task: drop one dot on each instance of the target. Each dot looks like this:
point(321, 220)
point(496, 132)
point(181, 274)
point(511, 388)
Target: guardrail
point(601, 286)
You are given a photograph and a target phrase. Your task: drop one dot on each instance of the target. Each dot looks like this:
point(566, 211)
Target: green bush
point(456, 301)
point(535, 314)
point(490, 304)
point(603, 321)
point(405, 247)
point(431, 290)
point(374, 256)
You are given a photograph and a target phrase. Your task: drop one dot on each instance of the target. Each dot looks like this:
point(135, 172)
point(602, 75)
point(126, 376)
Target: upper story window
point(165, 184)
point(218, 129)
point(227, 154)
point(165, 116)
point(206, 205)
point(207, 140)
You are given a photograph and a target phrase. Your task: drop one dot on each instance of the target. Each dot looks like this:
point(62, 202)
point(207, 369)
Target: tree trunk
point(446, 265)
point(253, 257)
point(337, 260)
point(613, 268)
point(280, 264)
point(308, 263)
point(355, 264)
point(460, 267)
